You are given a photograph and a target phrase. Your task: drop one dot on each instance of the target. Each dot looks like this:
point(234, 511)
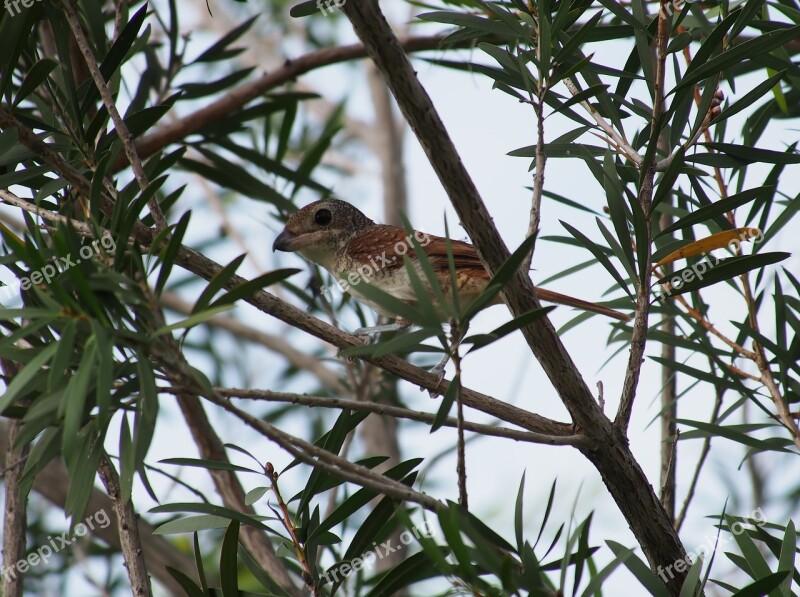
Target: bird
point(356, 251)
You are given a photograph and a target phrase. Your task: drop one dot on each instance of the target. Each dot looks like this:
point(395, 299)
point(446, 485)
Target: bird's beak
point(284, 242)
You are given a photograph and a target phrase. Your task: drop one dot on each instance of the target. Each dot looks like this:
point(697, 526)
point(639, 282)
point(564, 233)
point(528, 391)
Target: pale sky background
point(485, 125)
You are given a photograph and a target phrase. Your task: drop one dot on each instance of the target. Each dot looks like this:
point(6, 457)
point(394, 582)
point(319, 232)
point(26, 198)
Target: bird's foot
point(438, 371)
point(372, 332)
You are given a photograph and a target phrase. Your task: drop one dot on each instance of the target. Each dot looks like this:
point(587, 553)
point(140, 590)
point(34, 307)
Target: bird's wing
point(394, 242)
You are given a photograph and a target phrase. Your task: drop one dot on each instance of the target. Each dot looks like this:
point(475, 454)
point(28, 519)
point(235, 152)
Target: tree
point(116, 322)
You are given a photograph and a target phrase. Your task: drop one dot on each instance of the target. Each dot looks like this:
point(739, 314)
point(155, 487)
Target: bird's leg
point(438, 369)
point(373, 331)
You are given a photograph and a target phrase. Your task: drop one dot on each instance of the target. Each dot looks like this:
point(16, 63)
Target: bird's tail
point(563, 299)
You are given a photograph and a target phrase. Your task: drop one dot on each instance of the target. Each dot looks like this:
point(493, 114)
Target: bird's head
point(321, 231)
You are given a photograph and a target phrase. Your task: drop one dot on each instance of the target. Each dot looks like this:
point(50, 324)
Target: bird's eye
point(323, 217)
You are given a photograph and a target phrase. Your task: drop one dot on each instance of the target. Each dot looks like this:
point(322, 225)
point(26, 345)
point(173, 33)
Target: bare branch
point(402, 413)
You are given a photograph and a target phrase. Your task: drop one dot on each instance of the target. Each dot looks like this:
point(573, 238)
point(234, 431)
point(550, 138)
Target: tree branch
point(402, 413)
point(127, 528)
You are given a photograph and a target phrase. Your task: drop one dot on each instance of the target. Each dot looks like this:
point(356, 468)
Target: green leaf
point(751, 155)
point(412, 569)
point(228, 562)
point(595, 584)
point(500, 279)
point(219, 50)
point(332, 441)
point(469, 21)
point(193, 320)
point(715, 209)
point(597, 251)
point(730, 432)
point(212, 465)
point(481, 340)
point(186, 583)
point(447, 403)
point(691, 278)
point(170, 252)
point(738, 53)
point(361, 498)
point(518, 514)
point(8, 139)
point(183, 507)
point(639, 569)
point(246, 289)
point(254, 495)
point(192, 524)
point(116, 54)
point(33, 78)
point(787, 558)
point(216, 283)
point(762, 586)
point(692, 583)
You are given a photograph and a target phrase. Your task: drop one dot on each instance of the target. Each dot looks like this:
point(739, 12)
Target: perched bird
point(357, 251)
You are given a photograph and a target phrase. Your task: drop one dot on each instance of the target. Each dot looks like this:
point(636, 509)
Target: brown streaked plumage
point(355, 250)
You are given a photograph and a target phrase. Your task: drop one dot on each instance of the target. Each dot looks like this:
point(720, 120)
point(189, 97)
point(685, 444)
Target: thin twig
point(128, 529)
point(123, 133)
point(314, 365)
point(461, 453)
point(618, 138)
point(669, 404)
point(286, 520)
point(390, 410)
point(709, 327)
point(321, 458)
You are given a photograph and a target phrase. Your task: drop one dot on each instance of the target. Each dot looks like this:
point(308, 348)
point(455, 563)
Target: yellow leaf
point(715, 241)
